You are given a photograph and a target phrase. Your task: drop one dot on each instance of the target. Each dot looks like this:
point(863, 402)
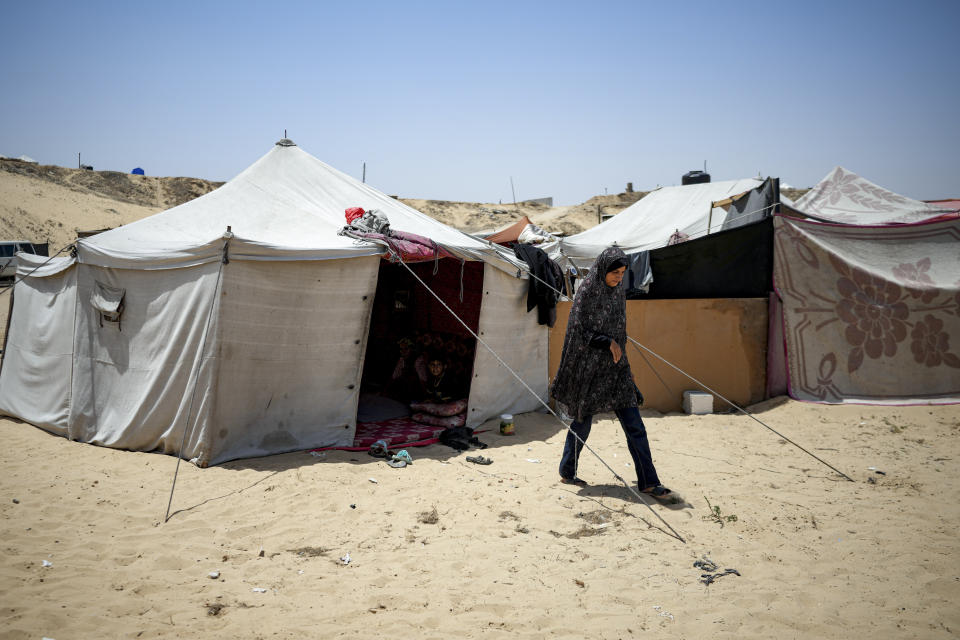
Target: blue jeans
point(637, 443)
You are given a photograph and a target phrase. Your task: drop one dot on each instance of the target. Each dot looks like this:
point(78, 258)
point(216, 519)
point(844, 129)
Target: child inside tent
point(443, 404)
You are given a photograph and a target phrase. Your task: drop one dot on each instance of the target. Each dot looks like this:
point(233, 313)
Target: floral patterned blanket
point(871, 314)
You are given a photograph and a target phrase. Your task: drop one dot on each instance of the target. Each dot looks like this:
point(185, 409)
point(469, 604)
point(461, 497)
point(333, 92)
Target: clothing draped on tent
point(546, 282)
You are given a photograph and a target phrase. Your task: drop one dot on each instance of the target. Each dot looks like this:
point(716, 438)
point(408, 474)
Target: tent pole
point(203, 347)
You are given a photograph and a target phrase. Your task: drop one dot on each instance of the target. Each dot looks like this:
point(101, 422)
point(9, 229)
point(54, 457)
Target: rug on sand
point(396, 432)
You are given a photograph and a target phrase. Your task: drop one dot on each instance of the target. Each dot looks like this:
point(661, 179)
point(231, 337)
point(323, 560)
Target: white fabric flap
point(106, 299)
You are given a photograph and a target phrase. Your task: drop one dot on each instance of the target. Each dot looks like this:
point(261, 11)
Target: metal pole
point(513, 192)
point(364, 173)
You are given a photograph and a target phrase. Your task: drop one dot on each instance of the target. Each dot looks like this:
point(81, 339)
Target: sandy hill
point(45, 203)
point(477, 217)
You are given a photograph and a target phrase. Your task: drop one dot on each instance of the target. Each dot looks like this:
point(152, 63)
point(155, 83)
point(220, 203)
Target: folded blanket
point(449, 421)
point(440, 409)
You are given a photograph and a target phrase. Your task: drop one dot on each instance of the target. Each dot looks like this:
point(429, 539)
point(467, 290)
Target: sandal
point(479, 460)
point(660, 492)
point(574, 481)
point(379, 450)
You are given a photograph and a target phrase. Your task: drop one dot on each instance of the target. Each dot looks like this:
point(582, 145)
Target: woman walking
point(594, 375)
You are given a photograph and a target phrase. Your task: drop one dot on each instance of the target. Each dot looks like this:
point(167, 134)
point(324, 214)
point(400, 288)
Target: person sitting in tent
point(407, 381)
point(443, 404)
point(594, 375)
point(440, 385)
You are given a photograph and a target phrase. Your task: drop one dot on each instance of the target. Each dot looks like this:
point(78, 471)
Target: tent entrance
point(410, 328)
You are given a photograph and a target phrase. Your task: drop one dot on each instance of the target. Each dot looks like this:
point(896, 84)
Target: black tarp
point(737, 263)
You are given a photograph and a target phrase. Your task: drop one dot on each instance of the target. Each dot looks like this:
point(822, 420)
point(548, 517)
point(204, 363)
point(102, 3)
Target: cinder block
point(697, 402)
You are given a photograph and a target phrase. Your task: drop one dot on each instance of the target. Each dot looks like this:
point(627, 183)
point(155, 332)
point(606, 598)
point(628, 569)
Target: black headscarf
point(588, 381)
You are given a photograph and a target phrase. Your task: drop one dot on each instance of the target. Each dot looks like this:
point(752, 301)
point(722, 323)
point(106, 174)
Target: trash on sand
point(373, 480)
point(214, 575)
point(403, 455)
point(346, 559)
point(662, 613)
point(319, 454)
point(47, 563)
point(259, 590)
point(533, 460)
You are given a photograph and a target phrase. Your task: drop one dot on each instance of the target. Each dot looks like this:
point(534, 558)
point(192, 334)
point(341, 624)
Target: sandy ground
point(445, 548)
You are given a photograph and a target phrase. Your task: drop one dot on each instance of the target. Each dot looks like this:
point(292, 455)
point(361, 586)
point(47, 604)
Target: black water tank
point(695, 177)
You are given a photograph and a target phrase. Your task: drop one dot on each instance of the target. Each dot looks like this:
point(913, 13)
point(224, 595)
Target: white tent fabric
point(846, 198)
point(515, 336)
point(38, 354)
point(250, 345)
point(649, 223)
point(286, 206)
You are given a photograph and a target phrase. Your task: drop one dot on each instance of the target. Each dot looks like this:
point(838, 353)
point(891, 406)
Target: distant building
point(546, 201)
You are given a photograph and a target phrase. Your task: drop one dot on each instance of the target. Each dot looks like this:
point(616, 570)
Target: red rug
point(397, 433)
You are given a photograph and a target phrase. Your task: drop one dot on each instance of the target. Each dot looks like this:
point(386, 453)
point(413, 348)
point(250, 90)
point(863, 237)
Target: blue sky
point(449, 100)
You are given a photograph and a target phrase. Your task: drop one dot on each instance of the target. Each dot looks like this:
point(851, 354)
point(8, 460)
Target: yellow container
point(506, 424)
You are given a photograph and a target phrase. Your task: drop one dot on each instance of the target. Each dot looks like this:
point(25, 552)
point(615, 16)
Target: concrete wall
point(722, 342)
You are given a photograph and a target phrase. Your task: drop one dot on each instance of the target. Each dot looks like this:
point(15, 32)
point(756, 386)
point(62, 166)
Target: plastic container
point(506, 425)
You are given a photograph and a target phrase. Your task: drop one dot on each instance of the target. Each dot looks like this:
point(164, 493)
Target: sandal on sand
point(658, 492)
point(574, 480)
point(479, 460)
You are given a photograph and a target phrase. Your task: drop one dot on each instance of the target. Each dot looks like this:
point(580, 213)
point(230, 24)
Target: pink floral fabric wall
point(871, 314)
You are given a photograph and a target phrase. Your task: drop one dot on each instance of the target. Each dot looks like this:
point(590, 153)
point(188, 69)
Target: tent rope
point(717, 394)
point(193, 395)
point(740, 409)
point(540, 400)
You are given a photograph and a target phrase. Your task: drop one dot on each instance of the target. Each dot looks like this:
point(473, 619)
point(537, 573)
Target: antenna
point(284, 133)
point(704, 166)
point(364, 172)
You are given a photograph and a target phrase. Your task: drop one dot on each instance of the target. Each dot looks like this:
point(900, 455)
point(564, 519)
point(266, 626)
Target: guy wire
point(732, 404)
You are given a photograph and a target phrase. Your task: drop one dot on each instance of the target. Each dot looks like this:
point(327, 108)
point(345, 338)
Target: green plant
point(716, 516)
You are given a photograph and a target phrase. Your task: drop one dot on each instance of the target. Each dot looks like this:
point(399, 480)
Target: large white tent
point(244, 321)
point(649, 223)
